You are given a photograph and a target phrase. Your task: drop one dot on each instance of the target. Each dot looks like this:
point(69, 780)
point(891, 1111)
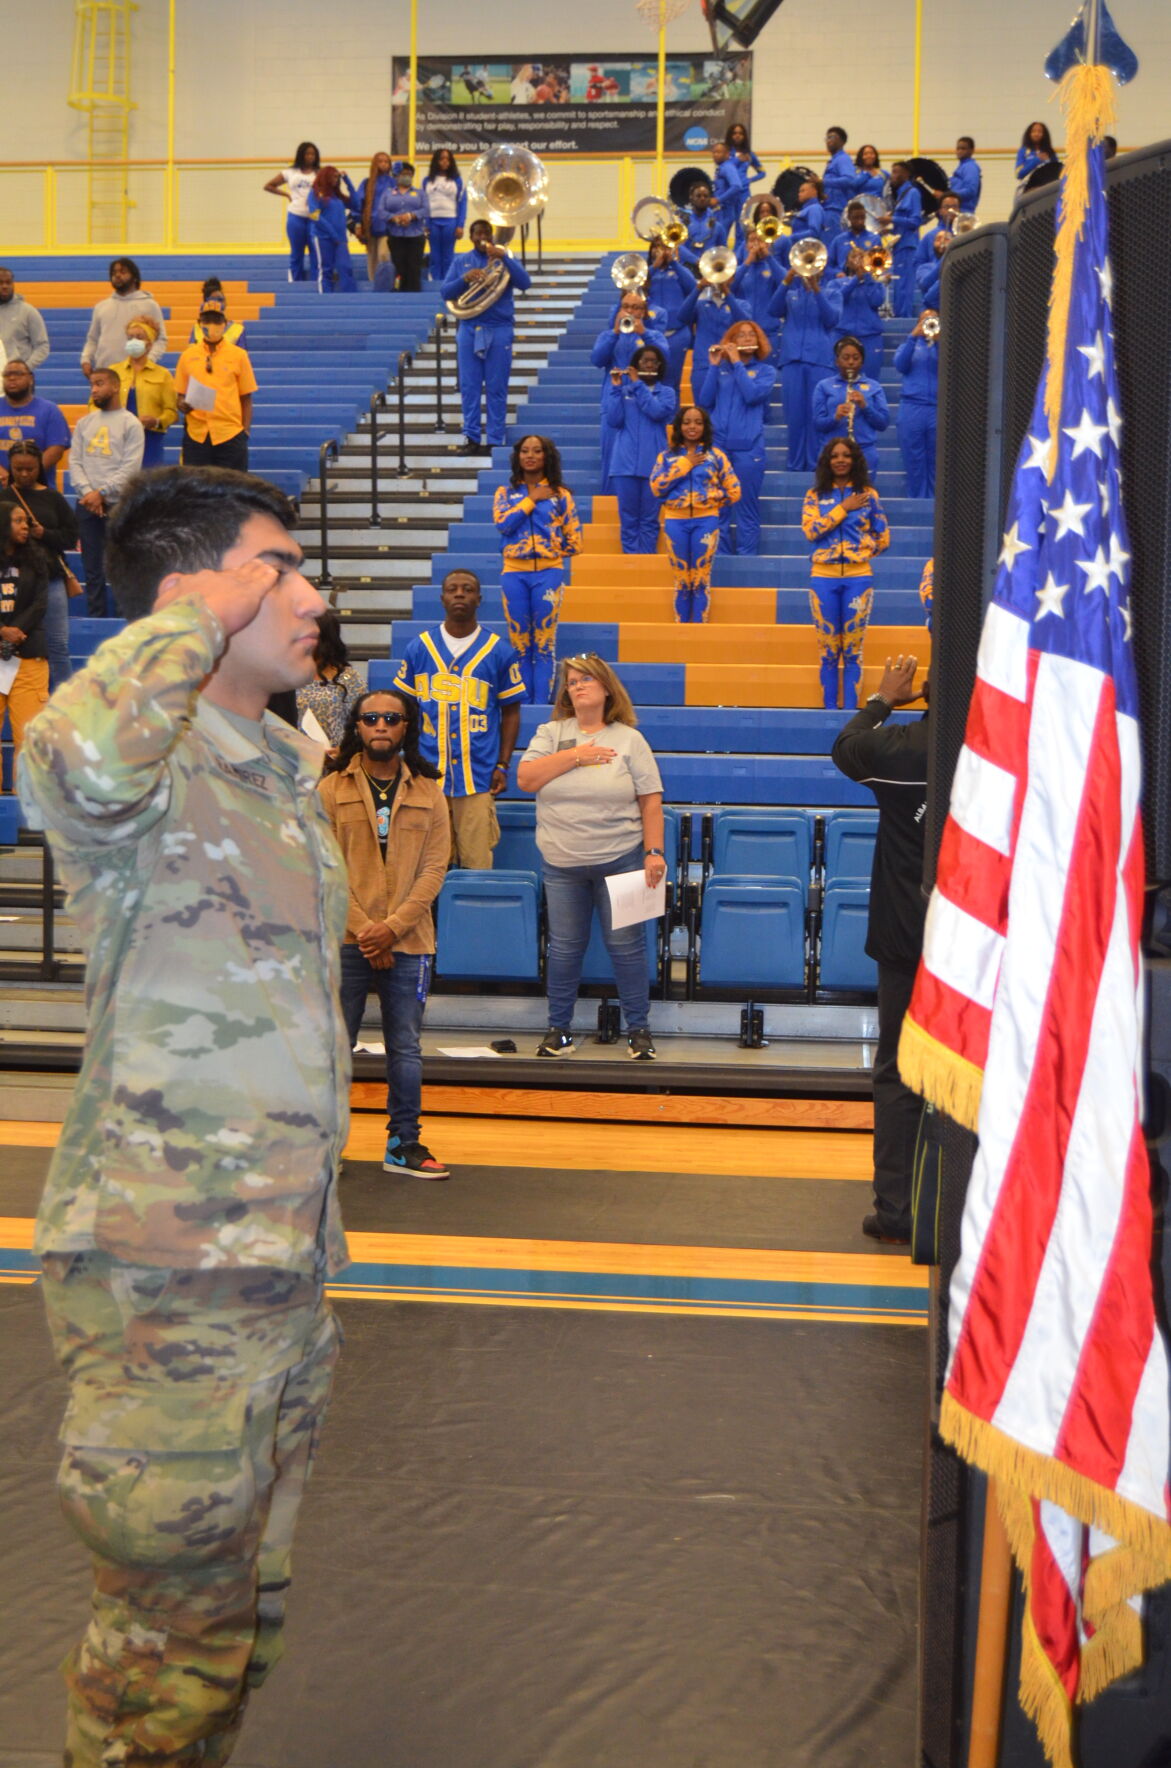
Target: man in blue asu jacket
point(840, 181)
point(702, 222)
point(469, 690)
point(484, 343)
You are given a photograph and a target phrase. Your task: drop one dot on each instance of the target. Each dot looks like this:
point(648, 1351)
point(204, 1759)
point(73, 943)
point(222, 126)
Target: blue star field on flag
point(1065, 563)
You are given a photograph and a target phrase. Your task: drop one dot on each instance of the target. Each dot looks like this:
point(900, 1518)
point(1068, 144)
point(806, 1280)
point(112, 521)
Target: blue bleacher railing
point(377, 404)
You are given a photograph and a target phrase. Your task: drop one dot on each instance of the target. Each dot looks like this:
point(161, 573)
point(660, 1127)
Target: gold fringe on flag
point(944, 1078)
point(1141, 1561)
point(1086, 96)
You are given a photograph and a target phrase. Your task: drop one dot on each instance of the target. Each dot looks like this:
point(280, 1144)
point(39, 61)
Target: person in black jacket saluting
point(892, 761)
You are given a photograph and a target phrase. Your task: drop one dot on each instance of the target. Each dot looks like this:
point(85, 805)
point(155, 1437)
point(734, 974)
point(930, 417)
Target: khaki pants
point(25, 698)
point(474, 831)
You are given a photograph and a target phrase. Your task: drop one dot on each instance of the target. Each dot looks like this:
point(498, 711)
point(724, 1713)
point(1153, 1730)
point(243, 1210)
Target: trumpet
point(767, 228)
point(931, 327)
point(808, 258)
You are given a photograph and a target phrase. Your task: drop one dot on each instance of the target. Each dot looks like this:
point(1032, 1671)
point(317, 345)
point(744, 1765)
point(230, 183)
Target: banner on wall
point(570, 104)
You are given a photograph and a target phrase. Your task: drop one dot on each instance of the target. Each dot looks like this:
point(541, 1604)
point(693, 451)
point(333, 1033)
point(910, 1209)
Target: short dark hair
point(967, 141)
point(351, 742)
point(650, 350)
point(129, 264)
point(181, 519)
point(836, 129)
point(460, 571)
point(850, 339)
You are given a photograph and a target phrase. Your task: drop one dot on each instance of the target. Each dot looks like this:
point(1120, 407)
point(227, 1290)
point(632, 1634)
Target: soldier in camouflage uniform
point(190, 1215)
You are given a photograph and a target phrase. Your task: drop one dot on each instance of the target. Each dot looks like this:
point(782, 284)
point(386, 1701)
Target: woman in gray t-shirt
point(599, 811)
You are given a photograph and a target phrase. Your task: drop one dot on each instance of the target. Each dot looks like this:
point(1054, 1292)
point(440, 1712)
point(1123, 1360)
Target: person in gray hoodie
point(105, 341)
point(105, 456)
point(22, 330)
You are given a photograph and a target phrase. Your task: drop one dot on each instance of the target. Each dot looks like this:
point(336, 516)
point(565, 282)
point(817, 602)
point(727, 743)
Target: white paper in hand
point(198, 396)
point(631, 900)
point(312, 727)
point(8, 669)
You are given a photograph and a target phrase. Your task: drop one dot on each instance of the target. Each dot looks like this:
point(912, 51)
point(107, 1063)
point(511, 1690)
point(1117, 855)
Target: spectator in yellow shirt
point(147, 388)
point(219, 437)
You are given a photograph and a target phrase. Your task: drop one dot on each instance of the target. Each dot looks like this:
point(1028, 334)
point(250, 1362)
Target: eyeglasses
point(582, 681)
point(393, 719)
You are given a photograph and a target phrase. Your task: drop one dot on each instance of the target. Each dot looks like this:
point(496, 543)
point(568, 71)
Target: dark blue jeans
point(572, 893)
point(402, 1021)
point(91, 532)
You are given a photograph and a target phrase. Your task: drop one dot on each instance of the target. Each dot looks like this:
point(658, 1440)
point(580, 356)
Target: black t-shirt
point(892, 761)
point(382, 797)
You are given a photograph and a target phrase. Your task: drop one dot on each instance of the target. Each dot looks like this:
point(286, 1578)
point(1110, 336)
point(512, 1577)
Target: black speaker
point(994, 309)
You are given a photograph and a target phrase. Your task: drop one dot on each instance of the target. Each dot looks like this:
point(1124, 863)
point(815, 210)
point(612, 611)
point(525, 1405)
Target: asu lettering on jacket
point(459, 704)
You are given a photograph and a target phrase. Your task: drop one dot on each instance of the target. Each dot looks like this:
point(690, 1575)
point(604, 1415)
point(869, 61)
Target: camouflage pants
point(196, 1400)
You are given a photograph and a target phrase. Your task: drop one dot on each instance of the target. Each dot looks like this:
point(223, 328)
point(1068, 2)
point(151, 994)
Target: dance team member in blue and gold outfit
point(695, 483)
point(846, 522)
point(536, 519)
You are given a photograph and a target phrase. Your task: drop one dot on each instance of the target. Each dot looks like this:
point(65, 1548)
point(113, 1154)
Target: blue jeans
point(91, 532)
point(56, 630)
point(572, 893)
point(402, 1021)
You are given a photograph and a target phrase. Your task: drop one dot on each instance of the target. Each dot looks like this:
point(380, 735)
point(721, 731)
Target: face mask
point(135, 347)
point(213, 333)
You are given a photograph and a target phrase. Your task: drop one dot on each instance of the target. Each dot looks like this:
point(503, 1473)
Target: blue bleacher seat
point(845, 918)
point(752, 933)
point(516, 851)
point(488, 926)
point(849, 844)
point(87, 632)
point(380, 673)
point(762, 844)
point(11, 821)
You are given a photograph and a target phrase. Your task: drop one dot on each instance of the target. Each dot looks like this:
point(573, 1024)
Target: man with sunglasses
point(387, 810)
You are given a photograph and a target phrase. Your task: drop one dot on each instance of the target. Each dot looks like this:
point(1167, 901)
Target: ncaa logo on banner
point(697, 137)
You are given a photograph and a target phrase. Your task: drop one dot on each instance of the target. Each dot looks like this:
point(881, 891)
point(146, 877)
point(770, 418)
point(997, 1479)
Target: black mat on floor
point(668, 1209)
point(552, 1540)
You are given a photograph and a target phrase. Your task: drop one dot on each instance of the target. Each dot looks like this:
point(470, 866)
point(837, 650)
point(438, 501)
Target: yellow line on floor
point(494, 1299)
point(620, 1258)
point(594, 1147)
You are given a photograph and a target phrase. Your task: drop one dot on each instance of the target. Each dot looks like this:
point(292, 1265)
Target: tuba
point(808, 257)
point(628, 271)
point(718, 265)
point(509, 187)
point(654, 217)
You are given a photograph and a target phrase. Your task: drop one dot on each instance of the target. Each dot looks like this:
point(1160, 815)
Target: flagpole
point(992, 1626)
point(661, 111)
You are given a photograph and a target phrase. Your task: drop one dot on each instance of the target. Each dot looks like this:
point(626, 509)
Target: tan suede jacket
point(401, 890)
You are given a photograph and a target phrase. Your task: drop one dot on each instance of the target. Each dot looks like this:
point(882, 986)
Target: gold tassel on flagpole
point(943, 1078)
point(1086, 96)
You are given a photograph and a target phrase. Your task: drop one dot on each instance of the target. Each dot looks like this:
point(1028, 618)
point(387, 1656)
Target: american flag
point(1026, 1023)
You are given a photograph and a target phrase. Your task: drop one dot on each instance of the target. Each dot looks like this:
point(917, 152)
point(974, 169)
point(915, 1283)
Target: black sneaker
point(641, 1045)
point(874, 1229)
point(556, 1042)
point(412, 1157)
point(471, 447)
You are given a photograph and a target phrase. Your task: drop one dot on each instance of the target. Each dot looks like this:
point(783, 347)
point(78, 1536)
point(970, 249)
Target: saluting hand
point(234, 597)
point(897, 686)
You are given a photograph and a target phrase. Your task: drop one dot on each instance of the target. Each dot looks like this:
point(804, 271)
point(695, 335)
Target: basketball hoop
point(658, 13)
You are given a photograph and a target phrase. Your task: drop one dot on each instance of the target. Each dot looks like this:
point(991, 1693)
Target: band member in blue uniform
point(839, 181)
point(862, 293)
point(1036, 149)
point(857, 234)
point(638, 403)
point(809, 215)
point(759, 276)
point(615, 348)
point(851, 403)
point(847, 525)
point(668, 285)
point(944, 222)
point(702, 222)
point(730, 190)
point(445, 207)
point(484, 343)
point(329, 232)
point(906, 218)
point(927, 277)
point(812, 315)
point(751, 170)
point(712, 310)
point(967, 178)
point(694, 482)
point(536, 519)
point(736, 391)
point(917, 360)
point(872, 179)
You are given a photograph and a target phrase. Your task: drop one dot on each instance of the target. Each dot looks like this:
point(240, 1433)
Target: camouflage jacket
point(210, 897)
